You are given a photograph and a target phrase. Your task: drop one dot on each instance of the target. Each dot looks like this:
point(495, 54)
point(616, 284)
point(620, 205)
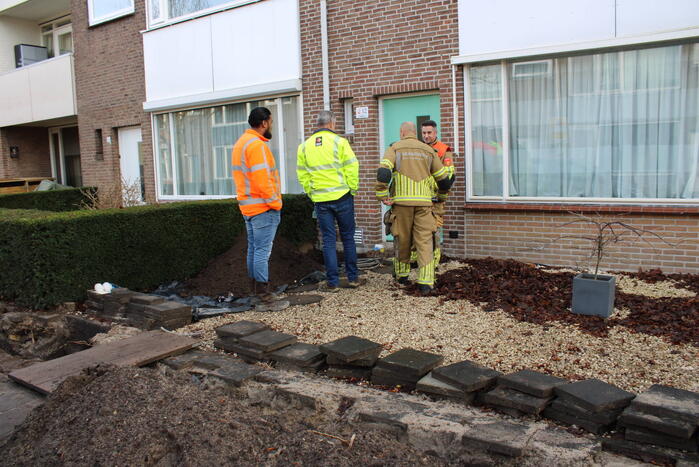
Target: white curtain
point(614, 125)
point(486, 109)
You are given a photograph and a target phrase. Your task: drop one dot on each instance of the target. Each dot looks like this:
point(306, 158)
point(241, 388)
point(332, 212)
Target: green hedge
point(68, 199)
point(49, 258)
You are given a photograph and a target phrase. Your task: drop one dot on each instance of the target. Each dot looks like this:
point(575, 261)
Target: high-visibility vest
point(255, 175)
point(327, 167)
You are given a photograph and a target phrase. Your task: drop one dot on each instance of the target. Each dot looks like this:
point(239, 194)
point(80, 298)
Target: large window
point(619, 125)
point(193, 147)
point(162, 11)
point(106, 10)
point(57, 37)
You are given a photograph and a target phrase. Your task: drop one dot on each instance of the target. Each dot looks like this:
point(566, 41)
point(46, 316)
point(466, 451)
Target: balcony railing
point(38, 92)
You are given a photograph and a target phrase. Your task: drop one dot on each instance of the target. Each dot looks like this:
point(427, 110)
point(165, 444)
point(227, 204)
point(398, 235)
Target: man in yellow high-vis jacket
point(329, 173)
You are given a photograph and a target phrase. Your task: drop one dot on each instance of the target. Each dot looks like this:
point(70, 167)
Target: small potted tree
point(593, 293)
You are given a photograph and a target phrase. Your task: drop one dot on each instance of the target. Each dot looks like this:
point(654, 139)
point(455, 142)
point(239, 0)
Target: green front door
point(397, 110)
point(407, 109)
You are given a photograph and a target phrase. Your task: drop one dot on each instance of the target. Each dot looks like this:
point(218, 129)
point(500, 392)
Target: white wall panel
point(244, 47)
point(639, 17)
point(256, 44)
point(52, 89)
point(497, 25)
point(37, 92)
point(15, 31)
point(178, 60)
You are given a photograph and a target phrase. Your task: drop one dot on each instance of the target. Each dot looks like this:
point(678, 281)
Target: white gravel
point(380, 311)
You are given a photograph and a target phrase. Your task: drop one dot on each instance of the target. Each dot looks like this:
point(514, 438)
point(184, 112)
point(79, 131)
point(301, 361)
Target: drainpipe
point(324, 53)
point(456, 108)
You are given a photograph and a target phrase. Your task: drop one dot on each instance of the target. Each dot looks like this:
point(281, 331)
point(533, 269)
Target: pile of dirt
point(532, 295)
point(140, 416)
point(227, 273)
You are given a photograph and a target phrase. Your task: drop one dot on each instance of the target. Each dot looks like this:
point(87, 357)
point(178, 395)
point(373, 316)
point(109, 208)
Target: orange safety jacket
point(255, 175)
point(442, 149)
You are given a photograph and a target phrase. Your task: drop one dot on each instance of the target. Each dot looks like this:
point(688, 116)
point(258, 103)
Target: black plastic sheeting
point(207, 307)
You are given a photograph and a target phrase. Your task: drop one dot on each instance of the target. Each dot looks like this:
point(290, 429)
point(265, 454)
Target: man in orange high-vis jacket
point(259, 197)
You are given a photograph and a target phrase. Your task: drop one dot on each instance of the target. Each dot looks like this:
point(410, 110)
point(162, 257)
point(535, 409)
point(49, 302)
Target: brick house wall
point(34, 153)
point(385, 48)
point(379, 49)
point(533, 234)
point(110, 89)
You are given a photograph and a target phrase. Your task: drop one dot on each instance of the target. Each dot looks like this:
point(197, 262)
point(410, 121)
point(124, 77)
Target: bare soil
point(143, 416)
point(227, 273)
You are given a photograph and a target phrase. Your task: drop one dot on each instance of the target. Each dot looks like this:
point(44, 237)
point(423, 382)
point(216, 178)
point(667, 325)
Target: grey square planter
point(593, 296)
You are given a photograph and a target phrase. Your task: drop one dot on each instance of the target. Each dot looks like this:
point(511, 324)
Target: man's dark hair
point(429, 123)
point(258, 115)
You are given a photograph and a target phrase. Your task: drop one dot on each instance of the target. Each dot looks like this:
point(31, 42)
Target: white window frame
point(278, 123)
point(165, 20)
point(93, 21)
point(348, 106)
point(549, 67)
point(55, 32)
point(468, 130)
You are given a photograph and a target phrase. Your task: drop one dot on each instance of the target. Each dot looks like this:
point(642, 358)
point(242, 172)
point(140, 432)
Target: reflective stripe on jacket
point(415, 167)
point(327, 167)
point(255, 175)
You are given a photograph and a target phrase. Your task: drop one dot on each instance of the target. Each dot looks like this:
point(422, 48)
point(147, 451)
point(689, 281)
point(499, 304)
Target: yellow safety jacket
point(415, 167)
point(327, 167)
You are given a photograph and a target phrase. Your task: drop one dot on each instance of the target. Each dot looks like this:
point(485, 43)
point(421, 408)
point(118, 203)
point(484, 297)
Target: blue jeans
point(341, 211)
point(261, 230)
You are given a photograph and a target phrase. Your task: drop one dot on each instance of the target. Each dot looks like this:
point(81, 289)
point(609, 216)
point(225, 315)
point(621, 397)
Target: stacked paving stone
point(663, 416)
point(592, 405)
point(251, 340)
point(351, 357)
point(138, 309)
point(525, 392)
point(404, 368)
point(462, 380)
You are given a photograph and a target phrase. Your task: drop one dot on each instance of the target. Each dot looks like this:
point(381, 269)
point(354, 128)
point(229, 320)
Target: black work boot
point(424, 289)
point(253, 286)
point(268, 299)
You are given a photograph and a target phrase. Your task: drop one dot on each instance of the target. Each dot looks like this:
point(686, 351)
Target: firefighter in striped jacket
point(404, 181)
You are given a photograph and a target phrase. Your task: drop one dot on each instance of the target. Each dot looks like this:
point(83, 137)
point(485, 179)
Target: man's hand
point(387, 201)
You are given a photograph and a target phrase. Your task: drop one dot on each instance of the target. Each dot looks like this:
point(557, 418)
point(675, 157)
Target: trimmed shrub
point(69, 199)
point(51, 257)
point(54, 258)
point(298, 225)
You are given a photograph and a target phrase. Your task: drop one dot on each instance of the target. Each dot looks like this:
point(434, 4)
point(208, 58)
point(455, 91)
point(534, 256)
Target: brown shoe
point(353, 284)
point(325, 287)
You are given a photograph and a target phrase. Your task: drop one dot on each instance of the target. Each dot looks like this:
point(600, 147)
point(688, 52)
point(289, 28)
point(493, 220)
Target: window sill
point(583, 208)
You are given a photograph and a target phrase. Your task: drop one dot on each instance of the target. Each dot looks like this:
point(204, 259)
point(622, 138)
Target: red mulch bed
point(529, 294)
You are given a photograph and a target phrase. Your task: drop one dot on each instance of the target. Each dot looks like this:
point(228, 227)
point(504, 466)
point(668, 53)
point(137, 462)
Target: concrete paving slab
point(531, 382)
point(16, 403)
point(429, 385)
point(300, 354)
point(502, 437)
point(595, 395)
point(467, 375)
point(410, 362)
point(268, 341)
point(665, 400)
point(567, 419)
point(641, 435)
point(571, 408)
point(649, 453)
point(346, 371)
point(236, 373)
point(366, 362)
point(634, 417)
point(241, 329)
point(350, 348)
point(384, 377)
point(506, 397)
